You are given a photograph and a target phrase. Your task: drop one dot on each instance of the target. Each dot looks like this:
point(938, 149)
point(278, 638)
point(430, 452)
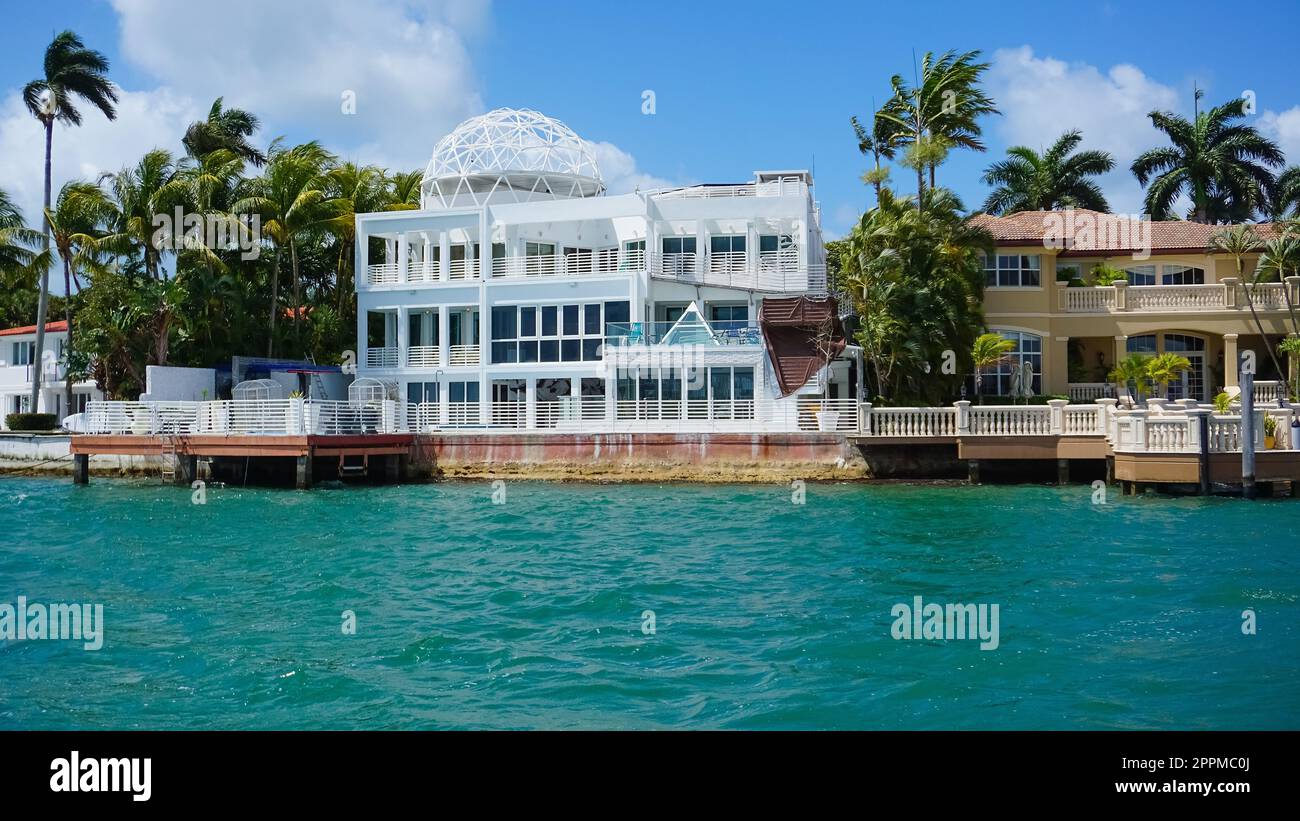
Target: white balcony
point(609, 261)
point(774, 272)
point(381, 357)
point(1219, 296)
point(463, 356)
point(423, 356)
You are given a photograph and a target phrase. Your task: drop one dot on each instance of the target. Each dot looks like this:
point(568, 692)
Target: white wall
point(165, 383)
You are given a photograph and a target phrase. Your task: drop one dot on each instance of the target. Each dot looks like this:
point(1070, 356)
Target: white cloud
point(145, 120)
point(1284, 128)
point(619, 170)
point(1042, 97)
point(291, 62)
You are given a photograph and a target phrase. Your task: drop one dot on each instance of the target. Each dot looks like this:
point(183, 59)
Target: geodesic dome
point(512, 155)
point(368, 389)
point(257, 389)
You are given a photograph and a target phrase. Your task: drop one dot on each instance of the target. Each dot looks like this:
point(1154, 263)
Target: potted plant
point(1270, 432)
point(1222, 403)
point(1103, 275)
point(828, 419)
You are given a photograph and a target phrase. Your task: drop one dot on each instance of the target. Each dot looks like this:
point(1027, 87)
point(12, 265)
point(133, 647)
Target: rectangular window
point(462, 391)
point(771, 243)
point(1012, 271)
point(549, 321)
point(743, 381)
point(720, 382)
point(527, 322)
point(417, 392)
point(591, 319)
point(733, 244)
point(571, 320)
point(618, 312)
point(503, 321)
point(679, 245)
point(729, 313)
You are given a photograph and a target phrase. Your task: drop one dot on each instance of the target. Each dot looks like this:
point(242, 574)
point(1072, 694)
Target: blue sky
point(738, 86)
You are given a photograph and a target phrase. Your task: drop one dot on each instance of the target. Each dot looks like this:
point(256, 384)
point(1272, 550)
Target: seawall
point(648, 457)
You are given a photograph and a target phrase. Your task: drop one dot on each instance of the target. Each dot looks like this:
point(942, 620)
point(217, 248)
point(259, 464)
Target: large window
point(1013, 271)
point(417, 392)
point(1181, 275)
point(1141, 275)
point(1028, 348)
point(24, 353)
point(733, 244)
point(552, 333)
point(679, 245)
point(732, 314)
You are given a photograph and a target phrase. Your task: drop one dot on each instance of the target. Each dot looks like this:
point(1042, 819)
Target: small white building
point(18, 362)
point(520, 295)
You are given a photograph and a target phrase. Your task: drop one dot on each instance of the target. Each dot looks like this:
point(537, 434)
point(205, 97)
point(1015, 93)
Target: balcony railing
point(774, 272)
point(728, 332)
point(381, 357)
point(423, 356)
point(785, 186)
point(463, 355)
point(1219, 296)
point(609, 261)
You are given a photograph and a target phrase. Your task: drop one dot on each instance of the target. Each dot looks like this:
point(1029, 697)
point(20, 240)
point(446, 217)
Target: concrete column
point(530, 402)
point(1121, 348)
point(1230, 292)
point(444, 256)
point(963, 417)
point(403, 334)
point(1063, 471)
point(1121, 295)
point(973, 471)
point(484, 398)
point(701, 248)
point(1230, 361)
point(1105, 413)
point(611, 397)
point(403, 257)
point(1058, 415)
point(444, 337)
point(1056, 379)
point(303, 473)
point(80, 468)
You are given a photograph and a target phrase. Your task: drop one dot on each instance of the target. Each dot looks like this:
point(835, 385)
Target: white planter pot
point(827, 421)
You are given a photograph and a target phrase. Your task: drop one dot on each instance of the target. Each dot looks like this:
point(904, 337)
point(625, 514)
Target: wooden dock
point(313, 455)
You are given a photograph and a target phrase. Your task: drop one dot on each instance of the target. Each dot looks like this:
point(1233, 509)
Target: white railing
point(425, 270)
point(727, 262)
point(843, 414)
point(578, 264)
point(385, 273)
point(243, 417)
point(141, 418)
point(1175, 430)
point(1269, 391)
point(1267, 296)
point(1088, 300)
point(1177, 297)
point(381, 357)
point(462, 269)
point(423, 356)
point(463, 355)
point(778, 272)
point(676, 266)
point(910, 422)
point(1010, 420)
point(1089, 391)
point(784, 186)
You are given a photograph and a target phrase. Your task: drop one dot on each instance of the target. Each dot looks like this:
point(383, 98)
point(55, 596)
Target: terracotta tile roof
point(1081, 232)
point(50, 327)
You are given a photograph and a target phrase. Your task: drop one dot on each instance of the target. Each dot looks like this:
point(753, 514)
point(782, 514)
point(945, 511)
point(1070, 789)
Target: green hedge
point(31, 421)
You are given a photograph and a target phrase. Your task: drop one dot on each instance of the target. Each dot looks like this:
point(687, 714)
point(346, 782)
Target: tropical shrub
point(31, 421)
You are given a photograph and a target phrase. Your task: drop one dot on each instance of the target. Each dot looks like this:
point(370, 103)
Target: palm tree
point(1057, 178)
point(72, 72)
point(79, 212)
point(289, 196)
point(883, 141)
point(1280, 259)
point(940, 111)
point(1284, 195)
point(225, 128)
point(1222, 166)
point(989, 350)
point(405, 191)
point(16, 240)
point(350, 190)
point(140, 194)
point(1165, 368)
point(1132, 369)
point(1238, 242)
point(916, 279)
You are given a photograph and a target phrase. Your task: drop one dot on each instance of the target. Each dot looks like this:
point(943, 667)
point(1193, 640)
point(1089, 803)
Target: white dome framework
point(511, 155)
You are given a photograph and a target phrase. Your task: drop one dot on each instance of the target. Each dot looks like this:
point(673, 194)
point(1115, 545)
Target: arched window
point(1181, 275)
point(1029, 348)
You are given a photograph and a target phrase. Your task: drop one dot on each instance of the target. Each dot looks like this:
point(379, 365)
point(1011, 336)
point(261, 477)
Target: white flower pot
point(827, 421)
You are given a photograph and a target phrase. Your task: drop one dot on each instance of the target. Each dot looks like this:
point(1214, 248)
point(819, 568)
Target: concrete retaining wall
point(699, 457)
point(24, 452)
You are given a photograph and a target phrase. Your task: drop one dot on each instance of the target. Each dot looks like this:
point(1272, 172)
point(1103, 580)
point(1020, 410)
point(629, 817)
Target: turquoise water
point(529, 614)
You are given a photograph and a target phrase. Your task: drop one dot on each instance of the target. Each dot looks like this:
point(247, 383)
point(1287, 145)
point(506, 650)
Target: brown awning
point(791, 328)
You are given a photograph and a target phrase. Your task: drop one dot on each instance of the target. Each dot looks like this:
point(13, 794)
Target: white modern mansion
point(521, 295)
point(18, 364)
